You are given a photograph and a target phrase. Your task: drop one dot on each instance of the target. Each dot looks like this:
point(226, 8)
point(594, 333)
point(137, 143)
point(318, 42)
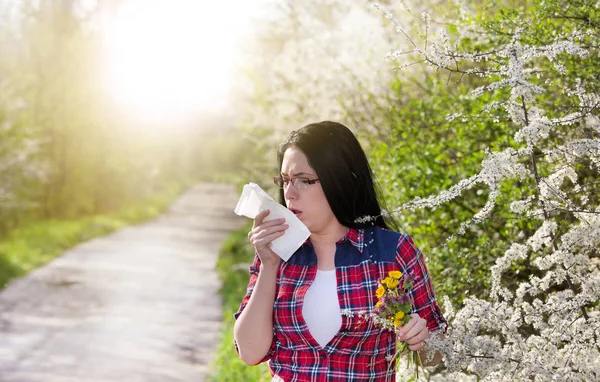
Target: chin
point(307, 224)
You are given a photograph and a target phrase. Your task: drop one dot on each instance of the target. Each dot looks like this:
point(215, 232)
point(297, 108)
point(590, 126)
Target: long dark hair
point(338, 159)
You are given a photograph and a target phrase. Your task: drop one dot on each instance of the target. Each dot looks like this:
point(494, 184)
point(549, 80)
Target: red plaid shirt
point(359, 350)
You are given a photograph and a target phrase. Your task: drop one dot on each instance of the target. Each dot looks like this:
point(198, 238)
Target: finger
point(266, 240)
point(404, 330)
point(255, 231)
point(419, 326)
point(419, 337)
point(271, 223)
point(260, 232)
point(258, 219)
point(420, 345)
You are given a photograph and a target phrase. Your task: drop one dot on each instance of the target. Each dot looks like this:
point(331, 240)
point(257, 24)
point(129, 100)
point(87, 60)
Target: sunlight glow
point(171, 59)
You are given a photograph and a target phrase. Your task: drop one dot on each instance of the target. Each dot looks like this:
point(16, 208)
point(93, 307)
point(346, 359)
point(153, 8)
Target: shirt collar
point(356, 237)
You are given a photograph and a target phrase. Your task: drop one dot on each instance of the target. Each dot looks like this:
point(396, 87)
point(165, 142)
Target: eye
point(303, 181)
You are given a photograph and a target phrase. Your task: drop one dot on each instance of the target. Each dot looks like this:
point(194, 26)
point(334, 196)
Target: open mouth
point(295, 211)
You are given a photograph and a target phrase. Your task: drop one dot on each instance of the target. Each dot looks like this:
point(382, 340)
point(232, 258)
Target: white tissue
point(254, 200)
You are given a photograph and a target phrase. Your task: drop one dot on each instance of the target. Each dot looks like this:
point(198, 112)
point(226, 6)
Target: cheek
point(324, 207)
point(319, 205)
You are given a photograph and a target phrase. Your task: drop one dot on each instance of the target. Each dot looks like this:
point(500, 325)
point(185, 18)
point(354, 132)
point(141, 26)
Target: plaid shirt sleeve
point(254, 271)
point(411, 262)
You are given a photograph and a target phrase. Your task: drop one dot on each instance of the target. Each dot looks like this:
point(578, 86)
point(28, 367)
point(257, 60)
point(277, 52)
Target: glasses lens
point(299, 183)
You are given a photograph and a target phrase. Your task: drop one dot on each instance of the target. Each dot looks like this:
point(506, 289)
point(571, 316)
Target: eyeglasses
point(299, 183)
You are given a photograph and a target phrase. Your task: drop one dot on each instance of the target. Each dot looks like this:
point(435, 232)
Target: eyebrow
point(298, 174)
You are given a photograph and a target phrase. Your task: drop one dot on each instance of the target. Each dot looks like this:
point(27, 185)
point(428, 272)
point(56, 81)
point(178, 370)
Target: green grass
point(234, 258)
point(36, 243)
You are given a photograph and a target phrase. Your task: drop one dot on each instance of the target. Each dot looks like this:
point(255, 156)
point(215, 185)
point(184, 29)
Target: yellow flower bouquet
point(392, 310)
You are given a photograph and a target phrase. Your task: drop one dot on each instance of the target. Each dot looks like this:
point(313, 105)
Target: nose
point(290, 192)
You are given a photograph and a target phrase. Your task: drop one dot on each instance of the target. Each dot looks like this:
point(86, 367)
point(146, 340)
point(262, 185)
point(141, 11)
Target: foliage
point(232, 266)
point(536, 86)
point(491, 163)
point(426, 154)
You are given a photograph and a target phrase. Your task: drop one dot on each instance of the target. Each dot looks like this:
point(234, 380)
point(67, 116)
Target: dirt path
point(138, 305)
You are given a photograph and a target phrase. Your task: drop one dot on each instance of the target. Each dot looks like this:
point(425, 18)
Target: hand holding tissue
point(254, 200)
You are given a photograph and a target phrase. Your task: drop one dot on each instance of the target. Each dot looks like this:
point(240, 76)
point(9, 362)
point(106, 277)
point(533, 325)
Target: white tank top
point(321, 309)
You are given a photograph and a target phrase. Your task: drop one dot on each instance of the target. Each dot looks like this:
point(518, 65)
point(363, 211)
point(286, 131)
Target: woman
point(292, 312)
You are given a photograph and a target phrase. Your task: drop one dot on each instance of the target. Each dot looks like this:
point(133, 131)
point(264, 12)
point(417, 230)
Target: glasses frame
point(281, 184)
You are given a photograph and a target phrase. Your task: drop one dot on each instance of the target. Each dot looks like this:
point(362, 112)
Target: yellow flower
point(379, 303)
point(391, 283)
point(380, 291)
point(399, 315)
point(395, 274)
point(397, 323)
point(386, 280)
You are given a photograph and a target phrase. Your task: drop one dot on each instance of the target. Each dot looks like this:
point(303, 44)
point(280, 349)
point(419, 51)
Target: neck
point(329, 235)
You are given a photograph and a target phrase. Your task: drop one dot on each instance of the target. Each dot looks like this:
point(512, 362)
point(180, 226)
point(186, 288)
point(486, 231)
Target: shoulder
point(388, 244)
point(388, 236)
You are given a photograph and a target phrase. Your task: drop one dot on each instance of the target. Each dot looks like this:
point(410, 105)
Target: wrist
point(270, 266)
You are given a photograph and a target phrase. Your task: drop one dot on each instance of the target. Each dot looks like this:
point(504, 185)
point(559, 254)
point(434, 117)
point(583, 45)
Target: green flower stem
point(412, 356)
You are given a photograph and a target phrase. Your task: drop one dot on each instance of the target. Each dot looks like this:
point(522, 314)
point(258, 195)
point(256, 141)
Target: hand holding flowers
point(414, 333)
point(392, 311)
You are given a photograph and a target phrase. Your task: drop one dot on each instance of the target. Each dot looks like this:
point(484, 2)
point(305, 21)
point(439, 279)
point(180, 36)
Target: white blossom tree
point(542, 318)
point(534, 73)
point(311, 61)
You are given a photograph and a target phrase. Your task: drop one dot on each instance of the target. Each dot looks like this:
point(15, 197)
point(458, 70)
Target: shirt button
point(324, 355)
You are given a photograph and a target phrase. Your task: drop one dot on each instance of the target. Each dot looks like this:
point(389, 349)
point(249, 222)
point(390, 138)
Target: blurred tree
point(311, 61)
point(66, 149)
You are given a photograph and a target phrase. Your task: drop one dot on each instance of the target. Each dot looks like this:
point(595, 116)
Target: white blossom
point(545, 327)
point(542, 326)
